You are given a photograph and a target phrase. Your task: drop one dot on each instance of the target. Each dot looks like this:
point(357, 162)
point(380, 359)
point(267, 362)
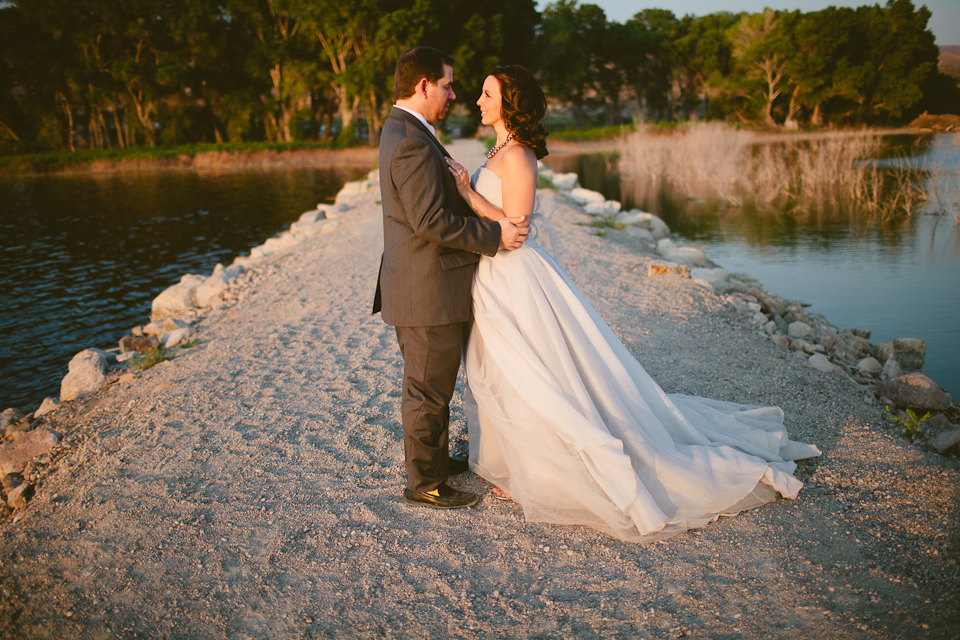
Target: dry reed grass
point(713, 161)
point(941, 187)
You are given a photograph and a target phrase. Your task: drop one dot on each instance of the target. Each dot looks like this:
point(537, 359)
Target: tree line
point(79, 74)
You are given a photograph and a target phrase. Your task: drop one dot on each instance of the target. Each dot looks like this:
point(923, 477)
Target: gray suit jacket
point(431, 237)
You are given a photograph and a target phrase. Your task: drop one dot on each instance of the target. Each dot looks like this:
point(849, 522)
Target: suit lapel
point(403, 115)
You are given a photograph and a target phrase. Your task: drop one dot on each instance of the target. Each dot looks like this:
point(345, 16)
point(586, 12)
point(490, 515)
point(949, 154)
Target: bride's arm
point(518, 178)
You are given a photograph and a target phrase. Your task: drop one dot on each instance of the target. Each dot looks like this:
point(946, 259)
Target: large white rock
point(799, 329)
point(713, 276)
point(17, 498)
point(608, 208)
point(658, 227)
point(274, 245)
point(178, 298)
point(586, 196)
point(175, 337)
point(15, 454)
point(545, 171)
point(48, 405)
point(759, 319)
point(636, 218)
point(891, 369)
point(909, 352)
point(869, 365)
point(947, 441)
point(210, 292)
point(352, 189)
point(314, 228)
point(820, 362)
point(231, 273)
point(333, 211)
point(693, 256)
point(171, 324)
point(915, 391)
point(87, 371)
point(666, 246)
point(312, 216)
point(154, 329)
point(638, 232)
point(565, 181)
point(703, 283)
point(284, 241)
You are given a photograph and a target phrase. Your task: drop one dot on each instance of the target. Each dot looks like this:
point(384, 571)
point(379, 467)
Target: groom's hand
point(513, 231)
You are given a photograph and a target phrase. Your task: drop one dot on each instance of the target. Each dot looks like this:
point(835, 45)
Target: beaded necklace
point(493, 151)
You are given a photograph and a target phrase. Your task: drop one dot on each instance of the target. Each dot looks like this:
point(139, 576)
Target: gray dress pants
point(431, 360)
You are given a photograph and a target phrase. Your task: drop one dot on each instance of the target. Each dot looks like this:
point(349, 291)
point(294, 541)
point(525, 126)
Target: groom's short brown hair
point(415, 63)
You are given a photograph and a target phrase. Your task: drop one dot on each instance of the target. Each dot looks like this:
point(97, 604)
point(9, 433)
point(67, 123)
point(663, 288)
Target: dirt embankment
point(222, 160)
point(946, 122)
point(950, 60)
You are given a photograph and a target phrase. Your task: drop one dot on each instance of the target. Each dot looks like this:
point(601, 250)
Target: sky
point(945, 23)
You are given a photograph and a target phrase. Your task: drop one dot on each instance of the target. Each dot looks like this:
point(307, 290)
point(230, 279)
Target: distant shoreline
point(243, 159)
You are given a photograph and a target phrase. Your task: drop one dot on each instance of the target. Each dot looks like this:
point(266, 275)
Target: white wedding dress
point(567, 422)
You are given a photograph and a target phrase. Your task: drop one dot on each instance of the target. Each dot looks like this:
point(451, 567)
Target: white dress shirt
point(420, 117)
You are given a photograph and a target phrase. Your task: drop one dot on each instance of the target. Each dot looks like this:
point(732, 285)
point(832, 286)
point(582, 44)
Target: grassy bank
point(599, 133)
point(68, 160)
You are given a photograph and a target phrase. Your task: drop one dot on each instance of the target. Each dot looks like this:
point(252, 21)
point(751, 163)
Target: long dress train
point(566, 420)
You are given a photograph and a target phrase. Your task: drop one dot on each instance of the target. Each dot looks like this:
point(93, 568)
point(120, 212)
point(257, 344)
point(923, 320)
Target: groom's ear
point(422, 86)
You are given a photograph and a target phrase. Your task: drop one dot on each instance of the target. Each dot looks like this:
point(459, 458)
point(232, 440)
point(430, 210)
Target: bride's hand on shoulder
point(461, 176)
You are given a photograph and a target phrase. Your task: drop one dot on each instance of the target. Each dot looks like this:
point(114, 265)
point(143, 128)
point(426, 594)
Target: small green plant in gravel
point(910, 422)
point(145, 360)
point(188, 344)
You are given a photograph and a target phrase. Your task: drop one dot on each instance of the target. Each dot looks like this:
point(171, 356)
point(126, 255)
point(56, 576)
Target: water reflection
point(899, 279)
point(82, 257)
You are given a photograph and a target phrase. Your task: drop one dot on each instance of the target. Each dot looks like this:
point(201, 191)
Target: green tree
point(890, 55)
point(569, 52)
point(760, 55)
point(651, 62)
point(480, 36)
point(704, 61)
point(819, 40)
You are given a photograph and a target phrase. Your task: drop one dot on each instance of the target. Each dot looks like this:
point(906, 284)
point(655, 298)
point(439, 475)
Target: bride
point(567, 423)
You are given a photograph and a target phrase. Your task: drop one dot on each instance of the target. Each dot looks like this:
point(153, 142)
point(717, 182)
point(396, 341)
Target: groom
point(432, 242)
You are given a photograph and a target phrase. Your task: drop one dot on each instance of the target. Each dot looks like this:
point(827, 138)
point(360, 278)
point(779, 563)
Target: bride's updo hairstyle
point(523, 107)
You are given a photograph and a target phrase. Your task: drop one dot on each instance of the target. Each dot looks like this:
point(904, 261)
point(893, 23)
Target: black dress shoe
point(458, 466)
point(449, 498)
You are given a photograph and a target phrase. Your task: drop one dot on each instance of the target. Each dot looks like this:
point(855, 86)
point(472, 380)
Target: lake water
point(83, 256)
point(897, 280)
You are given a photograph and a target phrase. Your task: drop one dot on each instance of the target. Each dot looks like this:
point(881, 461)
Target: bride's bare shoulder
point(518, 157)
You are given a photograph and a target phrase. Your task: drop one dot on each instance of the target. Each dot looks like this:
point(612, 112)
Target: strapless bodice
point(487, 184)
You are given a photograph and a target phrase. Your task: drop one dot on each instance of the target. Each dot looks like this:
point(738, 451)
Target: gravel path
point(250, 488)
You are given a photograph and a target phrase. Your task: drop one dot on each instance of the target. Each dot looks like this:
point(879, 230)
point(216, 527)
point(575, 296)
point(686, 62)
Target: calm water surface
point(82, 257)
point(897, 280)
